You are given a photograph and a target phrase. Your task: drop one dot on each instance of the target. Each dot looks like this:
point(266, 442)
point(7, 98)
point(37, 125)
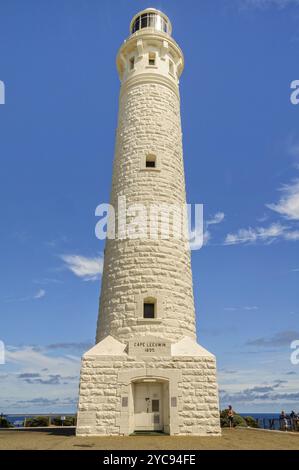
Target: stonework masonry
point(149, 123)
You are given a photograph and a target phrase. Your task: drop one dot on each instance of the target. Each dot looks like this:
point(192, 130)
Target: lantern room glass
point(150, 20)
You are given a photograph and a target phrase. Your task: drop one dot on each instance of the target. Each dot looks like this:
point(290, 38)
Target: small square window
point(148, 310)
point(150, 161)
point(152, 58)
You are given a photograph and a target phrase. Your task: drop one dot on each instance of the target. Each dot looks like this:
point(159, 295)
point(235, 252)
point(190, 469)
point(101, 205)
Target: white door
point(148, 406)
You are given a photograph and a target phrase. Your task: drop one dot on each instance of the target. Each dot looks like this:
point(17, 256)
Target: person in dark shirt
point(230, 415)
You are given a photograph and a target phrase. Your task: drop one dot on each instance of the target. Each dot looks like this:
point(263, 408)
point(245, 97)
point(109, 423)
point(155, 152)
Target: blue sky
point(241, 150)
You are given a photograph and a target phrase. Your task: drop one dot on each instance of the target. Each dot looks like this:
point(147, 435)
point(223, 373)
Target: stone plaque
point(149, 346)
point(124, 402)
point(173, 402)
point(87, 418)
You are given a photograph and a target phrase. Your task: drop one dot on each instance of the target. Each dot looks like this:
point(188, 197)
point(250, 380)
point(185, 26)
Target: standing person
point(230, 415)
point(294, 420)
point(283, 421)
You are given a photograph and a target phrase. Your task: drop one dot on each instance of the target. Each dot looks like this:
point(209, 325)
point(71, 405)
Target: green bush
point(238, 420)
point(4, 423)
point(37, 421)
point(251, 422)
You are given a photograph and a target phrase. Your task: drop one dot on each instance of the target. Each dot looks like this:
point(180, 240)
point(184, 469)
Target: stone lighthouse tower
point(146, 371)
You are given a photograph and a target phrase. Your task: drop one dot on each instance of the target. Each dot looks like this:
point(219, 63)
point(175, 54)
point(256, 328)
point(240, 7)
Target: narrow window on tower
point(149, 308)
point(171, 67)
point(132, 63)
point(150, 161)
point(152, 58)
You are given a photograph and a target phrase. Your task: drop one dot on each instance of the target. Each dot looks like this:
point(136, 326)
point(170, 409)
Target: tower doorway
point(150, 405)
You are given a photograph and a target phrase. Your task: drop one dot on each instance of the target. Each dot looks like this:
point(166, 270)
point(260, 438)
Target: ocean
point(262, 415)
point(264, 420)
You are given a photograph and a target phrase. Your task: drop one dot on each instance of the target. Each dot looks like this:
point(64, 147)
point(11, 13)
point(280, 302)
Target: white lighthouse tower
point(146, 371)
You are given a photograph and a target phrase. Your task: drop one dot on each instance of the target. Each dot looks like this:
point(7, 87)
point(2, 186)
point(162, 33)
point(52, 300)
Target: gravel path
point(58, 439)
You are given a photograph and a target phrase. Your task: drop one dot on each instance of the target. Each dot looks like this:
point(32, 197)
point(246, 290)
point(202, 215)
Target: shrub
point(4, 423)
point(238, 420)
point(37, 421)
point(251, 422)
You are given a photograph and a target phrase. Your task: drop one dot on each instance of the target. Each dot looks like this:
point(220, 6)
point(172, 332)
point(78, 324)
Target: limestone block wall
point(101, 388)
point(149, 123)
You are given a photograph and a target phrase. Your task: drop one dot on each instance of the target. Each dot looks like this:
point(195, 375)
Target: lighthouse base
point(148, 385)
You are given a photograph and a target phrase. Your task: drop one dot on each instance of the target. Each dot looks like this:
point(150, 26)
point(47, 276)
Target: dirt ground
point(64, 439)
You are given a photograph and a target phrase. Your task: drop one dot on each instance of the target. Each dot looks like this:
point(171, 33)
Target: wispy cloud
point(293, 146)
point(216, 219)
point(268, 234)
point(28, 375)
point(223, 370)
point(56, 241)
point(280, 339)
point(40, 294)
point(288, 205)
point(70, 346)
point(42, 379)
point(30, 357)
point(47, 280)
point(39, 404)
point(264, 4)
point(88, 269)
point(245, 307)
point(260, 393)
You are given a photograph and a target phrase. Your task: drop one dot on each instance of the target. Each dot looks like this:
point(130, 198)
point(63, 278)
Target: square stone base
point(109, 376)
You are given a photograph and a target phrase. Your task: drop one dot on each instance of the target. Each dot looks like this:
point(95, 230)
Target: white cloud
point(47, 280)
point(263, 4)
point(293, 148)
point(292, 236)
point(216, 219)
point(39, 381)
point(246, 307)
point(88, 269)
point(288, 205)
point(206, 237)
point(40, 293)
point(256, 234)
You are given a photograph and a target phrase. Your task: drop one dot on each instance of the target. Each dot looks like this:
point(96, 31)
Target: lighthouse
point(146, 371)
